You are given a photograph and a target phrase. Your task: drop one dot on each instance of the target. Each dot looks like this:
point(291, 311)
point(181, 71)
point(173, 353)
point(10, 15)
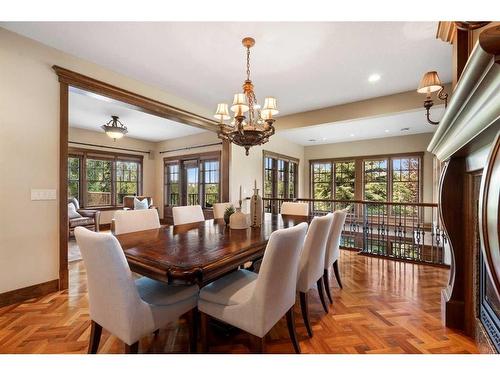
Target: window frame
point(275, 159)
point(84, 154)
point(200, 159)
point(359, 179)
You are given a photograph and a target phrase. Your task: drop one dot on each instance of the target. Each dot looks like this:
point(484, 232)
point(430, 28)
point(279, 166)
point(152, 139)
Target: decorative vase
point(238, 220)
point(256, 211)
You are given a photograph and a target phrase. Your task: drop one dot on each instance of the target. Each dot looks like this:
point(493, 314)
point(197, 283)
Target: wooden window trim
point(359, 183)
point(83, 154)
point(199, 158)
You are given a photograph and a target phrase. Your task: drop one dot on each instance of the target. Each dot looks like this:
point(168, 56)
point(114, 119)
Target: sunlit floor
point(385, 307)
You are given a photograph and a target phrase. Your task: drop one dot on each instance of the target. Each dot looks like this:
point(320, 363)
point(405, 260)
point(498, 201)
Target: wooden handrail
point(351, 201)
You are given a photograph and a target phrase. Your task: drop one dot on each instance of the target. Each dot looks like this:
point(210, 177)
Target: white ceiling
point(305, 65)
point(90, 111)
point(366, 128)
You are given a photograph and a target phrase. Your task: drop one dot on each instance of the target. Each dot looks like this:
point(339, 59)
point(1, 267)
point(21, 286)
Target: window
point(344, 180)
point(192, 179)
point(74, 177)
point(127, 179)
point(102, 179)
point(211, 182)
point(375, 180)
point(280, 177)
point(99, 182)
point(321, 174)
point(386, 178)
point(172, 185)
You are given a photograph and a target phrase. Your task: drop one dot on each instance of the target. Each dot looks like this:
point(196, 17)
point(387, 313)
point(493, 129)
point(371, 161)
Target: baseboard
point(33, 291)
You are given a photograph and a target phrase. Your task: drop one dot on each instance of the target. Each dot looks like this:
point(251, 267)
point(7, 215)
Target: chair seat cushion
point(81, 221)
point(232, 289)
point(161, 294)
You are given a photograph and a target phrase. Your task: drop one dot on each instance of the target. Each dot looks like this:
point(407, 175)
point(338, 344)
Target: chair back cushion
point(295, 208)
point(72, 213)
point(312, 258)
point(141, 204)
point(126, 221)
point(114, 301)
point(220, 208)
point(274, 292)
point(128, 201)
point(333, 244)
point(187, 214)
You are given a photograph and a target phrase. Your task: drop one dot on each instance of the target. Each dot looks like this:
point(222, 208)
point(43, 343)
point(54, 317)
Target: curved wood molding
point(475, 104)
point(148, 105)
point(489, 215)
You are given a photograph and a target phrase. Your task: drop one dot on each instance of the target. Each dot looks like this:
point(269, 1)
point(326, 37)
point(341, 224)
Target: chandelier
point(114, 128)
point(251, 125)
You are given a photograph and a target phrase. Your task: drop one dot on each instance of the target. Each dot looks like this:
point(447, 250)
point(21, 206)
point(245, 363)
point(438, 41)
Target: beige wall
point(392, 145)
point(148, 163)
point(245, 169)
point(182, 142)
point(29, 153)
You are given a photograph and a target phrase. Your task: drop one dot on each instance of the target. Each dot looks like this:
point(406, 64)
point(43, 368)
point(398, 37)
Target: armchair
point(88, 218)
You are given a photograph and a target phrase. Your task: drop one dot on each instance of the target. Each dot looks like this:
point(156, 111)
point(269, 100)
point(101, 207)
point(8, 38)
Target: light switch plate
point(43, 194)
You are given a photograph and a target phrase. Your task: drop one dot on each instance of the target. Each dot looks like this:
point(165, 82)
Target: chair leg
point(337, 274)
point(157, 332)
point(193, 330)
point(95, 337)
point(305, 312)
point(327, 285)
point(319, 283)
point(204, 332)
point(290, 321)
point(258, 344)
point(132, 349)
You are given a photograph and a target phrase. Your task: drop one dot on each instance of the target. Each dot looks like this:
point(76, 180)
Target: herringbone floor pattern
point(385, 307)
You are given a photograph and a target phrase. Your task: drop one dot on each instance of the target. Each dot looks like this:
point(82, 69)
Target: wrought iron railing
point(404, 231)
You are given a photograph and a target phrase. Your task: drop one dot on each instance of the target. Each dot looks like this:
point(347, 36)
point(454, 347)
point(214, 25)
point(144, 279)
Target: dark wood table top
point(198, 252)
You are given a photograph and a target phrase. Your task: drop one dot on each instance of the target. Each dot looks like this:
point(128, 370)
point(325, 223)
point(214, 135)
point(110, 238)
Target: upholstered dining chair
point(187, 214)
point(220, 208)
point(256, 302)
point(126, 308)
point(295, 208)
point(311, 264)
point(332, 252)
point(127, 221)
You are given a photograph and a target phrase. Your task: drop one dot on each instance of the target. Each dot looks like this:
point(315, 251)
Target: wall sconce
point(430, 83)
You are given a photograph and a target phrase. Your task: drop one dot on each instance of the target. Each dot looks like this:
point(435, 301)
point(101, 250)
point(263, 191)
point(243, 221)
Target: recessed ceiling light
point(311, 140)
point(323, 139)
point(352, 135)
point(374, 78)
point(387, 130)
point(405, 129)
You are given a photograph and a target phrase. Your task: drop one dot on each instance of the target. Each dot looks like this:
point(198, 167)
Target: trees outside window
point(102, 179)
point(280, 177)
point(192, 179)
point(381, 179)
point(74, 177)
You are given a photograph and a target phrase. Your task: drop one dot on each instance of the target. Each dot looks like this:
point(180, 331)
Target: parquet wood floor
point(385, 307)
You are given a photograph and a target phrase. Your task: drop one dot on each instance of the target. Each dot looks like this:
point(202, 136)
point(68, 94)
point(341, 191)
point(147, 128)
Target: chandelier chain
point(248, 63)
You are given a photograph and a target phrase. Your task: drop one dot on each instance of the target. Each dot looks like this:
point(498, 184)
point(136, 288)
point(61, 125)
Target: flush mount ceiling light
point(114, 128)
point(374, 78)
point(430, 83)
point(251, 125)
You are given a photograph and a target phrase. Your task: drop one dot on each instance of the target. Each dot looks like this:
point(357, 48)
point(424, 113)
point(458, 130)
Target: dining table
point(198, 253)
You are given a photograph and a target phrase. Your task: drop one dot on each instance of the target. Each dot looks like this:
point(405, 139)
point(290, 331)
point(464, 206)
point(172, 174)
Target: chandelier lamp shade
point(114, 128)
point(430, 83)
point(251, 124)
